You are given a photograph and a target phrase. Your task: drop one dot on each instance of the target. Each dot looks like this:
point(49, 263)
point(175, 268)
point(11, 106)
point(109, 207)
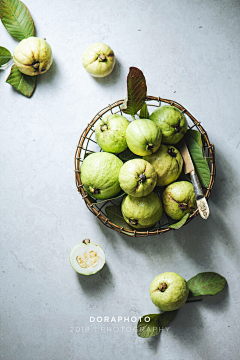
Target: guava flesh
point(87, 259)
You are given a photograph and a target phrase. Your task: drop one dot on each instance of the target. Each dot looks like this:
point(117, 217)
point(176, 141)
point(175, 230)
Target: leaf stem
point(133, 117)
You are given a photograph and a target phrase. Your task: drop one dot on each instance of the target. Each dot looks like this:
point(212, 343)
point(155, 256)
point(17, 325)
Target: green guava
point(171, 121)
point(33, 56)
point(110, 133)
point(143, 137)
point(98, 59)
point(167, 162)
point(99, 175)
point(87, 258)
point(137, 177)
point(142, 212)
point(169, 291)
point(179, 199)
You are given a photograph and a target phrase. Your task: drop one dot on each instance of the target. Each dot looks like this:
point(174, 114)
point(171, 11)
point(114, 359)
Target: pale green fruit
point(33, 56)
point(99, 175)
point(171, 121)
point(87, 258)
point(110, 133)
point(98, 59)
point(167, 162)
point(137, 177)
point(169, 291)
point(179, 199)
point(142, 212)
point(143, 137)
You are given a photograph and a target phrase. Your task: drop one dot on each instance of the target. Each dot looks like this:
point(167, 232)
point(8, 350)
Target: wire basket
point(88, 145)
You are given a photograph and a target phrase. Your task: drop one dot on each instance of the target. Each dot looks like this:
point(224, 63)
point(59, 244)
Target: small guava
point(137, 177)
point(87, 258)
point(169, 291)
point(110, 133)
point(33, 56)
point(179, 199)
point(98, 59)
point(142, 212)
point(143, 137)
point(99, 175)
point(171, 121)
point(167, 163)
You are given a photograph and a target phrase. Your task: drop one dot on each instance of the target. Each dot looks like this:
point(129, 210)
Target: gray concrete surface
point(189, 52)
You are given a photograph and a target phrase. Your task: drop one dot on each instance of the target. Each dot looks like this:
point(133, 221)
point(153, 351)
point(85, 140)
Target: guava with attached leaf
point(167, 163)
point(179, 199)
point(143, 137)
point(99, 175)
point(142, 212)
point(110, 133)
point(169, 291)
point(137, 177)
point(33, 56)
point(98, 59)
point(172, 123)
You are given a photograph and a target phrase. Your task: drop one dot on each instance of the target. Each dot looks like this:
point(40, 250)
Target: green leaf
point(23, 83)
point(17, 19)
point(200, 164)
point(5, 55)
point(180, 223)
point(196, 135)
point(137, 91)
point(206, 283)
point(128, 155)
point(152, 324)
point(115, 216)
point(144, 114)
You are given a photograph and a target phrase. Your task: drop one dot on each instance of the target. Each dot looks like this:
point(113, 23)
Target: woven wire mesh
point(88, 145)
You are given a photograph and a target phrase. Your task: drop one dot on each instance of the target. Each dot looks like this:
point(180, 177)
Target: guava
point(171, 121)
point(98, 59)
point(110, 133)
point(137, 177)
point(142, 212)
point(169, 291)
point(143, 137)
point(99, 175)
point(87, 258)
point(33, 56)
point(167, 162)
point(179, 199)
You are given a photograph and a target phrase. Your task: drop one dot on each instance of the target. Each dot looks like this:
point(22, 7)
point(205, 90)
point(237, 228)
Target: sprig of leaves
point(17, 19)
point(5, 55)
point(136, 92)
point(21, 82)
point(206, 283)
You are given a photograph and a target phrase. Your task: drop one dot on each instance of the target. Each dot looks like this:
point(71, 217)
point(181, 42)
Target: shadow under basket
point(88, 145)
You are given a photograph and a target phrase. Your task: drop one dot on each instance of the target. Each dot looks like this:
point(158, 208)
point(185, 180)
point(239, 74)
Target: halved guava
point(87, 258)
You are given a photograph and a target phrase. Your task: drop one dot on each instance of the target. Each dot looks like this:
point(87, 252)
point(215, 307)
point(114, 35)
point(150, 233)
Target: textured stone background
point(189, 52)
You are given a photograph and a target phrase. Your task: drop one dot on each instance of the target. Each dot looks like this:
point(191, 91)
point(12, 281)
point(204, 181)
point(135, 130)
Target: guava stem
point(103, 127)
point(102, 57)
point(172, 152)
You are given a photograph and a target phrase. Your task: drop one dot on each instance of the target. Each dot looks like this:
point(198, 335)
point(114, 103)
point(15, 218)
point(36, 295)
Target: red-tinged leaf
point(23, 83)
point(17, 19)
point(137, 92)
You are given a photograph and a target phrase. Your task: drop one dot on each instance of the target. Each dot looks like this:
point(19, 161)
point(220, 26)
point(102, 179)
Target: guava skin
point(137, 178)
point(33, 56)
point(98, 59)
point(142, 212)
point(143, 137)
point(99, 175)
point(179, 199)
point(169, 291)
point(167, 163)
point(171, 121)
point(110, 133)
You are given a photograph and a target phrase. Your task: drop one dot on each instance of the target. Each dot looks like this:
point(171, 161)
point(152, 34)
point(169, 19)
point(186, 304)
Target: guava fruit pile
point(155, 162)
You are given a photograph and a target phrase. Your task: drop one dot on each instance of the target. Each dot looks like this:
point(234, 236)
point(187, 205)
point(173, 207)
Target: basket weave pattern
point(87, 140)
